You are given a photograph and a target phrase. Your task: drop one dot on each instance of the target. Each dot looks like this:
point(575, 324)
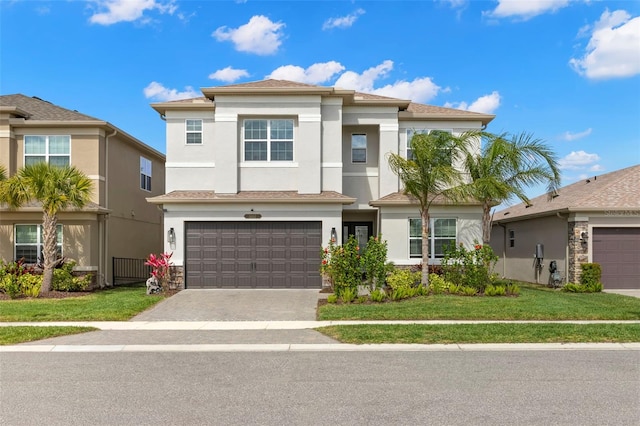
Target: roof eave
point(162, 107)
point(211, 92)
point(13, 110)
point(163, 200)
point(484, 118)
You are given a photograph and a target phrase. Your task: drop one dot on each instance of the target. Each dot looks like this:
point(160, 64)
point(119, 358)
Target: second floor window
point(145, 174)
point(55, 150)
point(194, 132)
point(268, 140)
point(412, 132)
point(358, 148)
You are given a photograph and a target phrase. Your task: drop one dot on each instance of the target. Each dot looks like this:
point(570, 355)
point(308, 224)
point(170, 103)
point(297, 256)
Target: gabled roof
point(400, 198)
point(37, 109)
point(407, 110)
point(616, 191)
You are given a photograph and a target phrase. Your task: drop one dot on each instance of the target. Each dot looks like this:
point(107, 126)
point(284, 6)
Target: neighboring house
point(593, 220)
point(261, 175)
point(118, 222)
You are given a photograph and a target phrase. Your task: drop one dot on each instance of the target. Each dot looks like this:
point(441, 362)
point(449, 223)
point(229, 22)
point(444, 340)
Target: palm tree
point(430, 174)
point(506, 165)
point(56, 188)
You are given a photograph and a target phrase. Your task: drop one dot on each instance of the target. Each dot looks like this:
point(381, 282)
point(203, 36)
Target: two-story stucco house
point(261, 175)
point(118, 222)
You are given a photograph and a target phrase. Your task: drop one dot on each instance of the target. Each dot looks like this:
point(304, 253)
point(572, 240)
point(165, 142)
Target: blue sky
point(567, 71)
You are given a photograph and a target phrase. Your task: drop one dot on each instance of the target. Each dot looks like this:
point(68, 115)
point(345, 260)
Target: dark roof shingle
point(41, 110)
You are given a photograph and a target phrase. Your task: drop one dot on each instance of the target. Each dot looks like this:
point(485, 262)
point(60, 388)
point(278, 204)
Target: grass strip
point(484, 333)
point(12, 335)
point(116, 304)
point(534, 303)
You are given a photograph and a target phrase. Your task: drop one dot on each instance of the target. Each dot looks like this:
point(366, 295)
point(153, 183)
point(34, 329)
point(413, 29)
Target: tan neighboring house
point(593, 220)
point(260, 175)
point(118, 222)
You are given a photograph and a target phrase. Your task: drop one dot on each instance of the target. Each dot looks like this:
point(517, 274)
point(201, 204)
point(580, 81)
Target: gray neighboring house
point(594, 220)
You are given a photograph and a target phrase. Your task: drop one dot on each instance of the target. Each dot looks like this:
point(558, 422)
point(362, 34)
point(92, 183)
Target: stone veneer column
point(176, 277)
point(578, 250)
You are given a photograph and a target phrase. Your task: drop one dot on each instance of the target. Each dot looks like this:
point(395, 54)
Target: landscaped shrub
point(30, 284)
point(512, 289)
point(9, 285)
point(495, 290)
point(332, 298)
point(403, 278)
point(347, 295)
point(580, 288)
point(343, 265)
point(473, 268)
point(467, 290)
point(437, 284)
point(63, 279)
point(374, 262)
point(377, 295)
point(160, 268)
point(591, 276)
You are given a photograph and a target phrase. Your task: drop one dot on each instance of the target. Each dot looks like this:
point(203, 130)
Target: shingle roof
point(272, 83)
point(618, 190)
point(251, 197)
point(37, 206)
point(41, 110)
point(400, 198)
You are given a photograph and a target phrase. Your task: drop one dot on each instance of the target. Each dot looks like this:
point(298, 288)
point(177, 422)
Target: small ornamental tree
point(343, 265)
point(161, 268)
point(374, 260)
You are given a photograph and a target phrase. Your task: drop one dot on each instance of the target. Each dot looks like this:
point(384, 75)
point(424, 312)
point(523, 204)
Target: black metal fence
point(129, 271)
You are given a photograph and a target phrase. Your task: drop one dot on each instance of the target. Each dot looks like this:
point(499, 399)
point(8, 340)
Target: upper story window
point(268, 140)
point(412, 132)
point(55, 150)
point(194, 132)
point(358, 148)
point(145, 174)
point(29, 243)
point(442, 233)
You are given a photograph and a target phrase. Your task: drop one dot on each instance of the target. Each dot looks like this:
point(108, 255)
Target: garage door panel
point(617, 250)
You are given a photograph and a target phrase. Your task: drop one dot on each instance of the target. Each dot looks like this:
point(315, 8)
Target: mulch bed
point(65, 294)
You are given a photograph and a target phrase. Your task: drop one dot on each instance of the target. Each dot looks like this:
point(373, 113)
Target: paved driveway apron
point(235, 305)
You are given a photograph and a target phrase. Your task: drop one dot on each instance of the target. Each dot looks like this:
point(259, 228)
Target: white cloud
point(568, 136)
point(228, 74)
point(342, 21)
point(418, 90)
point(315, 74)
point(128, 10)
point(158, 92)
point(364, 82)
point(259, 36)
point(486, 104)
point(613, 50)
point(455, 4)
point(577, 160)
point(525, 9)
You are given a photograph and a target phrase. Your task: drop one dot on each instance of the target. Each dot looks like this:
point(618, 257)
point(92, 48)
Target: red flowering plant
point(160, 268)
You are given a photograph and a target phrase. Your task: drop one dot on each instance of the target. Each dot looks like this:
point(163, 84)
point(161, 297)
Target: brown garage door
point(617, 250)
point(253, 254)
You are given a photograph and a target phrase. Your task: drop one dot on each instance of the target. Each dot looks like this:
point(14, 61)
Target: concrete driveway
point(236, 305)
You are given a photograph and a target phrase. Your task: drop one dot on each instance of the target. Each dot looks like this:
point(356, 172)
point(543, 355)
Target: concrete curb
point(340, 347)
point(269, 325)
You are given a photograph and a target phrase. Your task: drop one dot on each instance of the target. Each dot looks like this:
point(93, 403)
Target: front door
point(361, 230)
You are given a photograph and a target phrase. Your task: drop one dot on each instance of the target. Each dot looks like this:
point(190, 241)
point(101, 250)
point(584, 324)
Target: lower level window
point(442, 233)
point(29, 243)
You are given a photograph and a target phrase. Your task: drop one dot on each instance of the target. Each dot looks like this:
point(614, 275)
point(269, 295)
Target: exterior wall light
point(171, 236)
point(334, 235)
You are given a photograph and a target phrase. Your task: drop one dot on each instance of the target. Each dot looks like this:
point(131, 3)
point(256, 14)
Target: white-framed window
point(145, 174)
point(54, 149)
point(268, 139)
point(412, 132)
point(28, 243)
point(193, 132)
point(442, 233)
point(512, 238)
point(358, 148)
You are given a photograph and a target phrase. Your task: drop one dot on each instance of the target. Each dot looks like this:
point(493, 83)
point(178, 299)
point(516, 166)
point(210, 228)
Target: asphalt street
point(596, 387)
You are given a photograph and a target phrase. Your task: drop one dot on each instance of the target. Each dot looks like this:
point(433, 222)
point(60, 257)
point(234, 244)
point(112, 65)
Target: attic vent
point(528, 205)
point(506, 213)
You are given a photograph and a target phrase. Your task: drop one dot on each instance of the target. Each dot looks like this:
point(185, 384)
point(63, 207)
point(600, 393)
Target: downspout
point(105, 229)
point(566, 249)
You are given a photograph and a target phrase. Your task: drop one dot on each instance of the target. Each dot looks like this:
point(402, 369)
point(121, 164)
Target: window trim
point(366, 143)
point(193, 132)
point(39, 244)
point(407, 145)
point(143, 174)
point(432, 238)
point(47, 155)
point(268, 140)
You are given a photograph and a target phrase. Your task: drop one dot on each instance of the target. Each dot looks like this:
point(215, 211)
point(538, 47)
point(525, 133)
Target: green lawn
point(116, 304)
point(534, 303)
point(484, 333)
point(12, 335)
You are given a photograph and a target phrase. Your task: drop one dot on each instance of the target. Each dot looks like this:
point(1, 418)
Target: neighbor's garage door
point(617, 250)
point(253, 254)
